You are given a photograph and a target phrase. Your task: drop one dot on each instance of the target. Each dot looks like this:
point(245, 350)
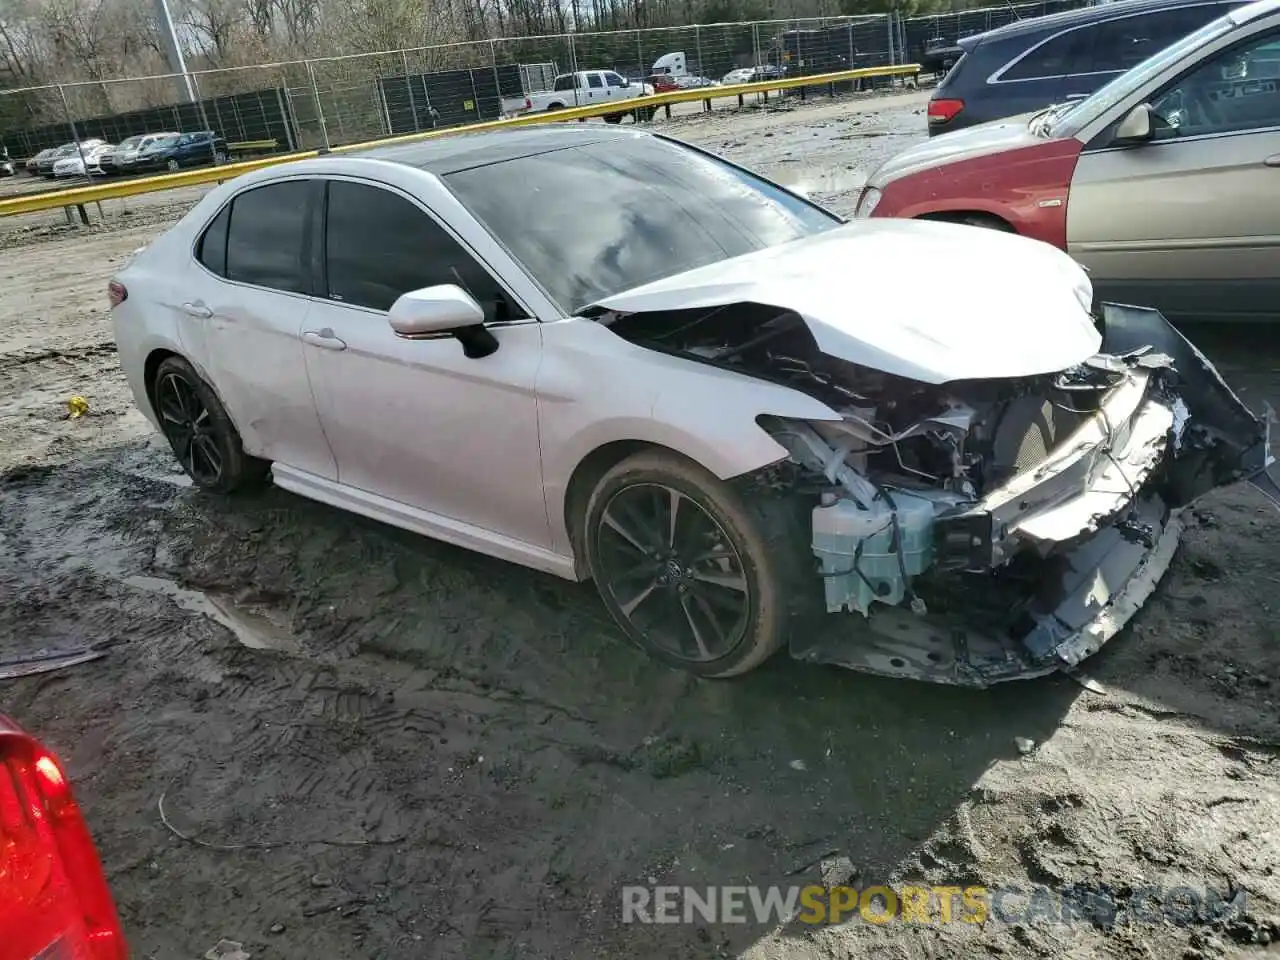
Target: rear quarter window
point(954, 73)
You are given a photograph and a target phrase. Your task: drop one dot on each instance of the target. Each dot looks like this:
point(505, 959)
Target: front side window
point(1233, 91)
point(265, 236)
point(379, 245)
point(614, 80)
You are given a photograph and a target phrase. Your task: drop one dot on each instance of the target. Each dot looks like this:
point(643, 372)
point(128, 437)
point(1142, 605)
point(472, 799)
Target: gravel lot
point(387, 747)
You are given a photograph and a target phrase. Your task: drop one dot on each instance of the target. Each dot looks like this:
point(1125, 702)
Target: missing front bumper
point(1099, 518)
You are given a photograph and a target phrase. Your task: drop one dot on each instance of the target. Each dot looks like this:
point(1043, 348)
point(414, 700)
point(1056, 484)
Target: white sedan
point(82, 162)
point(604, 354)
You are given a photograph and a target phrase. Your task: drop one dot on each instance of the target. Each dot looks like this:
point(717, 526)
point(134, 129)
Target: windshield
point(594, 220)
point(1068, 119)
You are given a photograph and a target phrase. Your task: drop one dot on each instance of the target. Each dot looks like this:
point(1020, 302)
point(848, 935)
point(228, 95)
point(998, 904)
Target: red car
point(1160, 183)
point(662, 83)
point(54, 900)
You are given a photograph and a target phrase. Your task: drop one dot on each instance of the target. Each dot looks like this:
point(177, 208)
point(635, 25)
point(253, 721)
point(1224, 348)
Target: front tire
point(200, 432)
point(690, 569)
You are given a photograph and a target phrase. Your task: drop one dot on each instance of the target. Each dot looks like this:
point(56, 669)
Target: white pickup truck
point(582, 89)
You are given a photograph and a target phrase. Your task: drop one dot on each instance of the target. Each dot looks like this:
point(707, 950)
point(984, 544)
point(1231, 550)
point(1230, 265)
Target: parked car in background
point(123, 157)
point(33, 161)
point(714, 398)
point(56, 903)
point(80, 163)
point(1162, 183)
point(740, 75)
point(584, 88)
point(689, 81)
point(46, 159)
point(7, 167)
point(662, 82)
point(182, 150)
point(1065, 56)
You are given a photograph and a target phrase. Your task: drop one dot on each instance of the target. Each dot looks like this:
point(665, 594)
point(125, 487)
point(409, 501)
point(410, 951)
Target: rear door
point(247, 304)
point(1188, 222)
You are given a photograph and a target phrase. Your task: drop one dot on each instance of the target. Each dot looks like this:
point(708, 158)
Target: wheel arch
point(975, 218)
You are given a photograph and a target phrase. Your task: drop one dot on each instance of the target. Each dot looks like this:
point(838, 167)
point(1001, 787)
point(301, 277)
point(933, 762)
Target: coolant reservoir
point(839, 529)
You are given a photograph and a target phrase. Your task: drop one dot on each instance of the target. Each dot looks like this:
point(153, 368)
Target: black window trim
point(308, 228)
point(319, 251)
point(997, 77)
point(1101, 142)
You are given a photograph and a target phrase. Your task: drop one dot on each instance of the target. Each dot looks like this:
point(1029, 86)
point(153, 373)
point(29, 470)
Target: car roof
point(456, 152)
point(1106, 11)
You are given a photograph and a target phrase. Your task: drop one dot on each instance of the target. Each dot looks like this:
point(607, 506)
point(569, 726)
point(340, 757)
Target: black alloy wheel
point(673, 572)
point(696, 571)
point(202, 436)
point(189, 429)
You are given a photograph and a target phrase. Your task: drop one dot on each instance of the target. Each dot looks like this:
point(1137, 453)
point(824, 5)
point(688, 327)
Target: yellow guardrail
point(78, 196)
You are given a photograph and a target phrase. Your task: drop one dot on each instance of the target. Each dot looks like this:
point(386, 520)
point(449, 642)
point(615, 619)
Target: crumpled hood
point(929, 301)
point(968, 143)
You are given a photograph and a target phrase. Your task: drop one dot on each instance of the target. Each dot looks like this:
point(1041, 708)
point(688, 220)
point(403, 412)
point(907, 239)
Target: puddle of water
point(809, 181)
point(252, 630)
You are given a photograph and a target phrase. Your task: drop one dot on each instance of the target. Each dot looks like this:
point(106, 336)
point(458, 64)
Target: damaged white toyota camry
point(608, 355)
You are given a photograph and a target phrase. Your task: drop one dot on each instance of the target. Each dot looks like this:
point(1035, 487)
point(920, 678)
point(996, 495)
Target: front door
point(1185, 222)
point(416, 421)
point(246, 311)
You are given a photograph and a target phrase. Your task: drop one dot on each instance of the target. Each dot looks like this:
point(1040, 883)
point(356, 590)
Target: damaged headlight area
point(995, 529)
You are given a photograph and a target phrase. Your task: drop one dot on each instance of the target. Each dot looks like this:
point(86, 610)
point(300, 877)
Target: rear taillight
point(54, 900)
point(117, 293)
point(943, 111)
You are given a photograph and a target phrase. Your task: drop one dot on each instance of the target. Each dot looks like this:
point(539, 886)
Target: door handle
point(324, 339)
point(1272, 161)
point(197, 310)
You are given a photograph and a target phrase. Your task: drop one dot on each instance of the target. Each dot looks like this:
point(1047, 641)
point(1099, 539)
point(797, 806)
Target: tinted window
point(597, 219)
point(564, 82)
point(1236, 90)
point(1055, 57)
point(212, 251)
point(379, 245)
point(1121, 44)
point(593, 80)
point(265, 243)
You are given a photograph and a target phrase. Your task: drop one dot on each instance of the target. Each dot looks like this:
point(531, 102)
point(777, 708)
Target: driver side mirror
point(444, 309)
point(1138, 125)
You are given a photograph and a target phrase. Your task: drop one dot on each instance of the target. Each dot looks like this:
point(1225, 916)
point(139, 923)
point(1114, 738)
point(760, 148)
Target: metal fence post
point(755, 44)
point(889, 22)
point(497, 81)
point(640, 57)
point(204, 117)
point(315, 93)
point(75, 136)
point(697, 42)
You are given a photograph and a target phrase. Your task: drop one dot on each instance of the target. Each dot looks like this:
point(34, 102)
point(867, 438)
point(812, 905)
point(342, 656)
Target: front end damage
point(992, 529)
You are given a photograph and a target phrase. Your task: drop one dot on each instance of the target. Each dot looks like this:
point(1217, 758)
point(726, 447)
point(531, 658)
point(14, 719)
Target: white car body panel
point(1035, 321)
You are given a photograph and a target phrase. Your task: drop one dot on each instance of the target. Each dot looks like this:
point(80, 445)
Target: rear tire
point(200, 432)
point(613, 118)
point(975, 220)
point(711, 589)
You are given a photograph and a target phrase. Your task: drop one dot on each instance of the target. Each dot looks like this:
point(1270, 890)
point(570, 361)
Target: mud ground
point(381, 746)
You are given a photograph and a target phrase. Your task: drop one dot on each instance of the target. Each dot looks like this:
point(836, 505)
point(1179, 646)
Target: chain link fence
point(332, 101)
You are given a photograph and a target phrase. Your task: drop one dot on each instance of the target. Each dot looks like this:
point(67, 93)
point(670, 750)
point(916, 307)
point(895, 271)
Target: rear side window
point(212, 251)
point(265, 239)
point(1126, 43)
point(379, 245)
point(1056, 57)
point(593, 80)
point(564, 82)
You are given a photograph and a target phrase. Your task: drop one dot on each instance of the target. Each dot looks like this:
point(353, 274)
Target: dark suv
point(183, 150)
point(1034, 63)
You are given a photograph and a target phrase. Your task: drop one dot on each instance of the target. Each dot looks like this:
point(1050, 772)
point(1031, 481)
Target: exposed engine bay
point(988, 529)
